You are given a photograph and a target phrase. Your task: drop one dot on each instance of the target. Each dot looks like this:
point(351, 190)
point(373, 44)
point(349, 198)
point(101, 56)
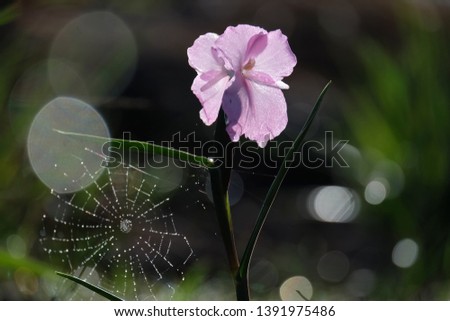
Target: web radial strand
point(119, 233)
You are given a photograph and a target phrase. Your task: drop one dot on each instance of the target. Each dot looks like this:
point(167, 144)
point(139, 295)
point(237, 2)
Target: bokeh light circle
point(33, 90)
point(334, 204)
point(62, 161)
point(405, 253)
point(235, 191)
point(97, 48)
point(333, 266)
point(296, 288)
point(263, 276)
point(16, 246)
point(361, 283)
point(159, 167)
point(376, 191)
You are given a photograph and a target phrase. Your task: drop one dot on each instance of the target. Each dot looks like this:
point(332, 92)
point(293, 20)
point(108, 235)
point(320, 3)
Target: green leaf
point(104, 293)
point(148, 148)
point(273, 190)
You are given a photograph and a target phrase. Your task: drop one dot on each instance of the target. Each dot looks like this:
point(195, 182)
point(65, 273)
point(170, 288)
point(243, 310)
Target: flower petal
point(242, 70)
point(202, 56)
point(234, 43)
point(256, 45)
point(264, 79)
point(254, 110)
point(277, 59)
point(211, 78)
point(209, 92)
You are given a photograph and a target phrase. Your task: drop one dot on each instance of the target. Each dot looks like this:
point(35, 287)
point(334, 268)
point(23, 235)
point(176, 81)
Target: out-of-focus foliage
point(397, 117)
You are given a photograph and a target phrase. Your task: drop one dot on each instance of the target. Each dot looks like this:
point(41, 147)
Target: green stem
point(242, 276)
point(220, 198)
point(220, 179)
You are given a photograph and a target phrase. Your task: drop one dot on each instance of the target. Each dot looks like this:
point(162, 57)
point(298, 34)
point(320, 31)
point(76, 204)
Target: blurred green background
point(375, 230)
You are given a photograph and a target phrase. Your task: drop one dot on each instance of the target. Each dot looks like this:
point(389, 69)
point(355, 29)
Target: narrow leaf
point(104, 293)
point(273, 190)
point(147, 148)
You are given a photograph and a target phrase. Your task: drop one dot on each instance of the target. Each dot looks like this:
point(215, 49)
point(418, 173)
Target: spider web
point(120, 234)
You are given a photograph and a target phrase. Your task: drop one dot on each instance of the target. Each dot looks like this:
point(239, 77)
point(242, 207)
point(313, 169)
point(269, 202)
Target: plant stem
point(220, 198)
point(220, 179)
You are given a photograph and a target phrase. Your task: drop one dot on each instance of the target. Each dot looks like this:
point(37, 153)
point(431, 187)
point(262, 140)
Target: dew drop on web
point(125, 225)
point(120, 233)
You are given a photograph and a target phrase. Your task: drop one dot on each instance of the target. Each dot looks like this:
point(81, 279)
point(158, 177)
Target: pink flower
point(242, 71)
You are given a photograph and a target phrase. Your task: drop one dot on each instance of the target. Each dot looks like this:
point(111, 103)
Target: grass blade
point(273, 190)
point(147, 148)
point(106, 294)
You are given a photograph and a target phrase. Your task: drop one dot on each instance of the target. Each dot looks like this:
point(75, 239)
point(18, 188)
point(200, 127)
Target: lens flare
point(55, 157)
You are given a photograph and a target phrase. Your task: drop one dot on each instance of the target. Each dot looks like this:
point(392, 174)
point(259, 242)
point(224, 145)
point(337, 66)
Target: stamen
point(250, 64)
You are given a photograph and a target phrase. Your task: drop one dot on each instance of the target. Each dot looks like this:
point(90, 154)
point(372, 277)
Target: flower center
point(125, 225)
point(250, 64)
